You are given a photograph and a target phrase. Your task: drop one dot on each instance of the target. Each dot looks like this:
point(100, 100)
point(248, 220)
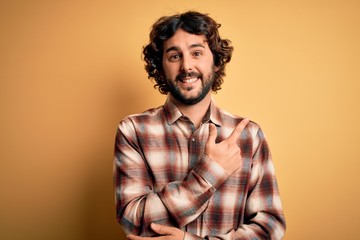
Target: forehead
point(183, 40)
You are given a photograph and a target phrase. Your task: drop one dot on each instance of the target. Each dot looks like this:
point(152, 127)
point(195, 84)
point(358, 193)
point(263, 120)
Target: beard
point(206, 87)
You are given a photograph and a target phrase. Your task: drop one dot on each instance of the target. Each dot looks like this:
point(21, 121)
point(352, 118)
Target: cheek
point(170, 70)
point(207, 67)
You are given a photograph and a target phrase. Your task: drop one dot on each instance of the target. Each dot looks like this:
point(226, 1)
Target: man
point(188, 169)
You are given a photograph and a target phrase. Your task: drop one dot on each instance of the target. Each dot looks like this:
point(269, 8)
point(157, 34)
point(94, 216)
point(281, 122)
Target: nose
point(187, 63)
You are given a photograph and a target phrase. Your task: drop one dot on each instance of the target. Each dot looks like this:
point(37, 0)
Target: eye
point(174, 57)
point(197, 53)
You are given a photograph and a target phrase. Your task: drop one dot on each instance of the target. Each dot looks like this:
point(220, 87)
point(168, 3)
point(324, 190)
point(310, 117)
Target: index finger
point(238, 129)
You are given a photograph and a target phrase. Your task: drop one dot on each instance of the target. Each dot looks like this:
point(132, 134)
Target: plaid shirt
point(161, 175)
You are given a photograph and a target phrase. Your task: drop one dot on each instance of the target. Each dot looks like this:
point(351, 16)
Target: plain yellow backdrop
point(71, 70)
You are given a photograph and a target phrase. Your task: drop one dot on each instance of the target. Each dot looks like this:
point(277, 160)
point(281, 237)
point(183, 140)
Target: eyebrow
point(174, 48)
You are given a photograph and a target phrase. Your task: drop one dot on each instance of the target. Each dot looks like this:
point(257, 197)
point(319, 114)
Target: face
point(188, 67)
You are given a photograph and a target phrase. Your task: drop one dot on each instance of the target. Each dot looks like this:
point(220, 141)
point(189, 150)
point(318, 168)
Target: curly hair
point(194, 23)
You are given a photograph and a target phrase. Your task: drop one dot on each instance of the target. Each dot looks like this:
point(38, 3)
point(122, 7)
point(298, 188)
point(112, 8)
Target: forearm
point(177, 204)
point(187, 199)
point(137, 214)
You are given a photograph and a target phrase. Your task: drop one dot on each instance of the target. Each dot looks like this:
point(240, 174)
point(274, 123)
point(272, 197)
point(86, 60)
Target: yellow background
point(70, 70)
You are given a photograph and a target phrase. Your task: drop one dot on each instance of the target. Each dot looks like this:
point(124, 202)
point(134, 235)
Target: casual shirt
point(162, 175)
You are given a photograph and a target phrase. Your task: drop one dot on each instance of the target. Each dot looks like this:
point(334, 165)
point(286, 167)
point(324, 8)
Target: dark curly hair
point(194, 23)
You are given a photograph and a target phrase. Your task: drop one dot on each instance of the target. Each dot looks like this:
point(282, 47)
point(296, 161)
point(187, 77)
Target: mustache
point(183, 75)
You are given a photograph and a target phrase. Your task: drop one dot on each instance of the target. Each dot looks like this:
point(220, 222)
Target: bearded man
point(188, 169)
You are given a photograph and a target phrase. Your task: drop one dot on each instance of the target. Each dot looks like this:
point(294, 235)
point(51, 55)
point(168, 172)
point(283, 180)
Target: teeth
point(191, 80)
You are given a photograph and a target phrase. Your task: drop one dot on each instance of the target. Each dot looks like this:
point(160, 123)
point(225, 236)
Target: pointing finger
point(238, 129)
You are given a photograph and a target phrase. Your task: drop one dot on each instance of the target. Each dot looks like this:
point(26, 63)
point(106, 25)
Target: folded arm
point(137, 202)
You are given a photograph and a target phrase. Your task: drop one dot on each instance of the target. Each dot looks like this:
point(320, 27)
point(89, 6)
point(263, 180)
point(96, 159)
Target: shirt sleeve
point(137, 203)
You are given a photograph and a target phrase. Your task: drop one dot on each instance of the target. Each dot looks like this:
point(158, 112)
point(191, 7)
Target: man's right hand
point(226, 153)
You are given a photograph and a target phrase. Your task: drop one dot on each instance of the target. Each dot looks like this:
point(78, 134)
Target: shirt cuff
point(211, 171)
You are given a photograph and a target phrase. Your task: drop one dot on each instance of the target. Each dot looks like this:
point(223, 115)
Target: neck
point(194, 112)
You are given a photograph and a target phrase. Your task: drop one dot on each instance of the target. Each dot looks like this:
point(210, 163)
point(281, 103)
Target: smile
point(189, 80)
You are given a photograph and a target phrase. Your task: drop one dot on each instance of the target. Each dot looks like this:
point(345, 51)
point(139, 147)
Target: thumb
point(212, 133)
point(161, 229)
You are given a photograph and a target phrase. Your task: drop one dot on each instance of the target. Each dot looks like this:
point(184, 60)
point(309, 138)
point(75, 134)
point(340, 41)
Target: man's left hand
point(165, 232)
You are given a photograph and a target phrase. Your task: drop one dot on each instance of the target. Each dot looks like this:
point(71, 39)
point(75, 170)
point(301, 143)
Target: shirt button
point(193, 139)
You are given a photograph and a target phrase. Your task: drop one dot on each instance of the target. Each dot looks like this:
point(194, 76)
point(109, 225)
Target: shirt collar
point(171, 110)
point(173, 113)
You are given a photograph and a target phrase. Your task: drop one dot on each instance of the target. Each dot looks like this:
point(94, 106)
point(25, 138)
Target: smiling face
point(188, 67)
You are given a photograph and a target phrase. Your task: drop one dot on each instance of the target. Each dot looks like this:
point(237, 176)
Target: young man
point(188, 169)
